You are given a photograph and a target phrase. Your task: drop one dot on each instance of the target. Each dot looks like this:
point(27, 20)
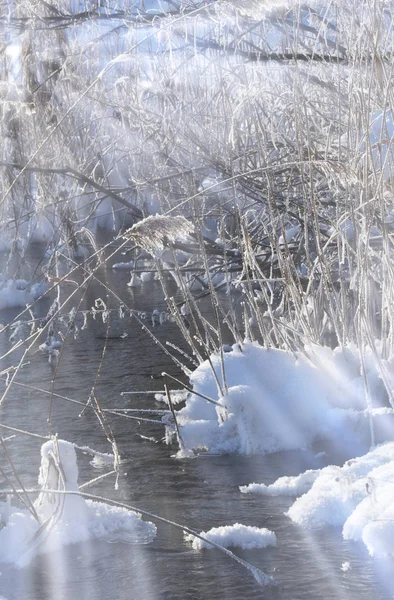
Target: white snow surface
point(64, 518)
point(123, 266)
point(17, 293)
point(357, 497)
point(276, 400)
point(284, 486)
point(14, 295)
point(234, 536)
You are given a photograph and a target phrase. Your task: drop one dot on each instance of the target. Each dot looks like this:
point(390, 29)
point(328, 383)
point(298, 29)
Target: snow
point(290, 234)
point(284, 486)
point(276, 400)
point(338, 491)
point(12, 295)
point(123, 266)
point(17, 293)
point(64, 518)
point(39, 289)
point(381, 138)
point(135, 281)
point(234, 536)
point(357, 497)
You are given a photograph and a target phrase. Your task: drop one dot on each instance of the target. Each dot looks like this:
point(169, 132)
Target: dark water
point(201, 493)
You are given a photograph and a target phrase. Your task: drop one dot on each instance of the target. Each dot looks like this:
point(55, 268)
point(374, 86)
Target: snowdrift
point(272, 400)
point(357, 497)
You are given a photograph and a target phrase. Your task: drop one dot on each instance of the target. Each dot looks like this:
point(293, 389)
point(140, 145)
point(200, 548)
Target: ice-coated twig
point(155, 411)
point(178, 433)
point(189, 389)
point(257, 573)
point(96, 479)
point(85, 449)
point(24, 432)
point(84, 404)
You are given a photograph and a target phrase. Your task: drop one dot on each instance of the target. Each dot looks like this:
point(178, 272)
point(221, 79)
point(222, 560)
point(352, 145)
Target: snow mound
point(276, 400)
point(358, 497)
point(64, 518)
point(284, 486)
point(234, 536)
point(13, 294)
point(338, 491)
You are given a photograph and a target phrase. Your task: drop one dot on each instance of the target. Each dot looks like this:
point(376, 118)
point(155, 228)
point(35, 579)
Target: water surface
point(200, 493)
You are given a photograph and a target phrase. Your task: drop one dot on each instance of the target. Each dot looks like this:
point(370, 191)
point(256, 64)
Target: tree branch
point(80, 177)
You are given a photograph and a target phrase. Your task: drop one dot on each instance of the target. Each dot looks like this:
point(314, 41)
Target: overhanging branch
point(69, 171)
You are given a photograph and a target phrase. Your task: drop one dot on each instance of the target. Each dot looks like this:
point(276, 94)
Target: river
point(200, 493)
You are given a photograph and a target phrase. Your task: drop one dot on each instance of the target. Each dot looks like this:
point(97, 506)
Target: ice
point(51, 347)
point(290, 234)
point(51, 344)
point(146, 276)
point(37, 230)
point(64, 518)
point(234, 536)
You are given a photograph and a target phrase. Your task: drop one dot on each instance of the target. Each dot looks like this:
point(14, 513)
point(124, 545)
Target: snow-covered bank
point(272, 400)
point(57, 520)
point(357, 497)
